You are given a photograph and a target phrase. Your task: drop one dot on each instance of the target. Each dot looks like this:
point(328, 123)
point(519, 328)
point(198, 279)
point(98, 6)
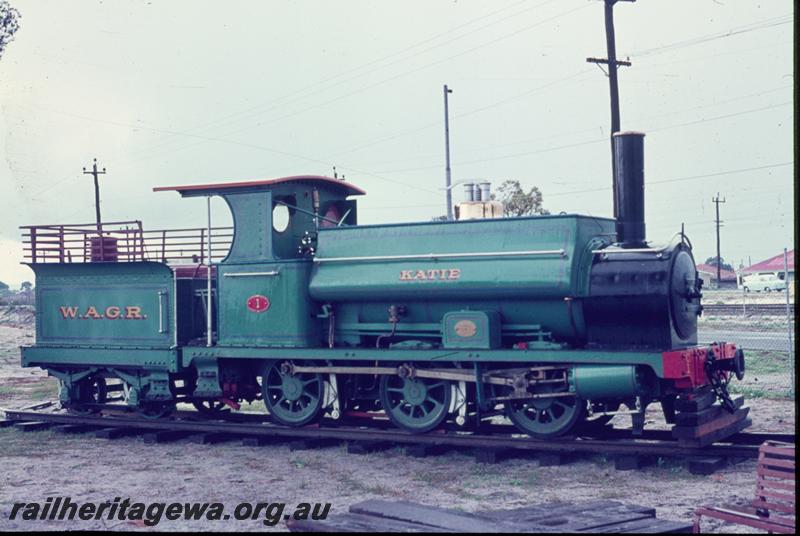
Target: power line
point(364, 88)
point(242, 144)
point(647, 183)
point(760, 25)
point(552, 135)
point(381, 177)
point(461, 115)
point(583, 143)
point(316, 86)
point(739, 52)
point(689, 177)
point(648, 51)
point(394, 77)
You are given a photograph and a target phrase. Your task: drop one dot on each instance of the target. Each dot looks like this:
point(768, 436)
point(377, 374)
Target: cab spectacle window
point(282, 213)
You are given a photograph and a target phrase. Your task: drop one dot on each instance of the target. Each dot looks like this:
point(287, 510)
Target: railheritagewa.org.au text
point(153, 513)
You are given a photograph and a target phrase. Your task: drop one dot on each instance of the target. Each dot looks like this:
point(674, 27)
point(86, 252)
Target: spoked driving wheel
point(90, 391)
point(546, 417)
point(415, 404)
point(292, 399)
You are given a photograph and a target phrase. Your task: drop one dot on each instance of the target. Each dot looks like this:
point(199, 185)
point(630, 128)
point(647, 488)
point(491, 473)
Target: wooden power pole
point(717, 201)
point(447, 178)
point(613, 63)
point(96, 174)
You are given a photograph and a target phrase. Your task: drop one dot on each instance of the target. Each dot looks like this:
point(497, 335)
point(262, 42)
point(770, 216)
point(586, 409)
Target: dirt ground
point(38, 465)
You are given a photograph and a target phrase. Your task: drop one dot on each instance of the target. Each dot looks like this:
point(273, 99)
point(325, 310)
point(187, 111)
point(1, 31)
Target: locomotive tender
point(555, 321)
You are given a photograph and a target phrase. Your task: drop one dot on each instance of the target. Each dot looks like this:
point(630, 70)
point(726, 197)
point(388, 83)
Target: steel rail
point(645, 447)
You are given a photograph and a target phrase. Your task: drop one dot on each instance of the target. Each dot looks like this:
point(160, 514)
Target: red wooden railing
point(124, 241)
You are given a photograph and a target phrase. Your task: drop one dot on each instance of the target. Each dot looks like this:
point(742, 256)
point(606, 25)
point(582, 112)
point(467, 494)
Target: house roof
point(773, 264)
point(205, 189)
point(725, 275)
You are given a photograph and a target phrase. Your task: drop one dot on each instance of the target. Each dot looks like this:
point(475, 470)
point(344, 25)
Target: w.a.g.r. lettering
point(112, 312)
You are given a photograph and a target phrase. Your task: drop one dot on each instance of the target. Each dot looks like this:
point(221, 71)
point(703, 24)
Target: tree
point(517, 202)
point(9, 24)
point(712, 261)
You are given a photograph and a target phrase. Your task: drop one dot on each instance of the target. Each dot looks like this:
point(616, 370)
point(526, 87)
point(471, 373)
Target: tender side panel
point(127, 359)
point(105, 304)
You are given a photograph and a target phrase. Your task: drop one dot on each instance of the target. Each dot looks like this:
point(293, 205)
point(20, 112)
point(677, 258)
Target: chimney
point(469, 193)
point(629, 180)
point(486, 188)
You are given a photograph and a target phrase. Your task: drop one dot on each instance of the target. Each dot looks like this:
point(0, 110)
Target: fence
point(122, 242)
point(763, 325)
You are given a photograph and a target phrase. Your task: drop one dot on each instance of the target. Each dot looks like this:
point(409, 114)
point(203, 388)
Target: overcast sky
point(184, 92)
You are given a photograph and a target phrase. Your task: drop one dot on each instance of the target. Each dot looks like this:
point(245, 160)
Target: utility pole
point(717, 201)
point(613, 63)
point(96, 173)
point(447, 155)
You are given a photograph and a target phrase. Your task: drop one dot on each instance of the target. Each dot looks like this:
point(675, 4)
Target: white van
point(766, 282)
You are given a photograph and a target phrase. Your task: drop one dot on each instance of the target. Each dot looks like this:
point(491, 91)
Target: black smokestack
point(629, 181)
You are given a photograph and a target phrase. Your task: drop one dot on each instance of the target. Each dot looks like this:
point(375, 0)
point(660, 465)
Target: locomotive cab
point(262, 284)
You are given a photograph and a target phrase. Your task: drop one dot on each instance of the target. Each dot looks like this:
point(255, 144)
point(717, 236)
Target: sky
point(185, 92)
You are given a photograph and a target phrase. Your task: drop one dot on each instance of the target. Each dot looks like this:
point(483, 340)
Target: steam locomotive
point(553, 321)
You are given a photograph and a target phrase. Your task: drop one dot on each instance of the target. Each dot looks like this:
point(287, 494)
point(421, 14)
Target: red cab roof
point(314, 179)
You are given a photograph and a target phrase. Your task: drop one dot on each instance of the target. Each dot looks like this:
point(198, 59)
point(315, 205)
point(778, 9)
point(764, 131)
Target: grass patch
point(427, 477)
point(672, 469)
point(767, 362)
point(43, 392)
point(769, 323)
point(526, 480)
point(8, 390)
point(613, 493)
point(463, 493)
point(26, 444)
point(759, 392)
point(356, 486)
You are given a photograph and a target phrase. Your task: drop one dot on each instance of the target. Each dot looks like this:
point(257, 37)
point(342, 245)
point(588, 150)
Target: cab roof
point(266, 184)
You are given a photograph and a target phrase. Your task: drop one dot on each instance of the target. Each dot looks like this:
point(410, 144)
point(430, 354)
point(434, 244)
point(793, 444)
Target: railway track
point(489, 442)
point(755, 309)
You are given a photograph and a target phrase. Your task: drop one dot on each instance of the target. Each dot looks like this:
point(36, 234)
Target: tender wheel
point(155, 410)
point(415, 404)
point(210, 407)
point(92, 390)
point(546, 417)
point(293, 400)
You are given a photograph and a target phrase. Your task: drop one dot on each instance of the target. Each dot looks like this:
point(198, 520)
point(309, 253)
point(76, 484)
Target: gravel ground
point(38, 465)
